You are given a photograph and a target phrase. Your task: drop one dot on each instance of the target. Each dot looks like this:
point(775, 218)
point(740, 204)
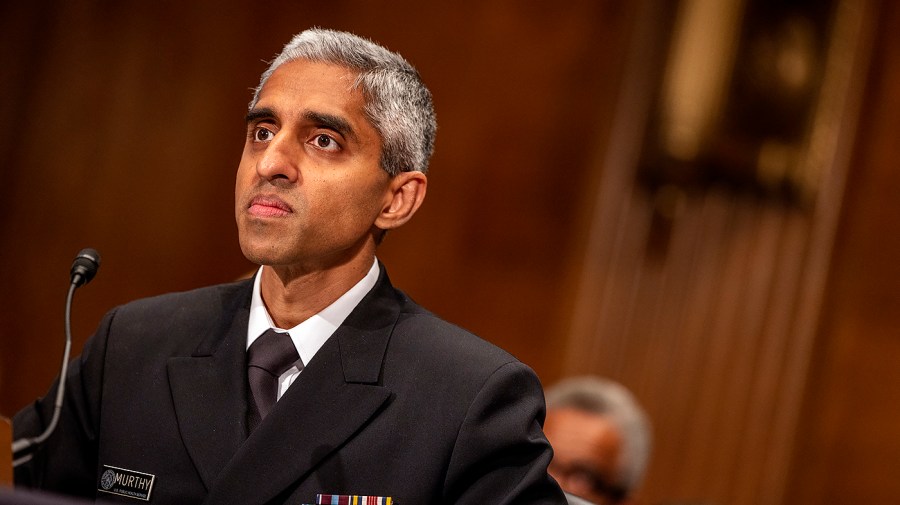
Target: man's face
point(309, 186)
point(586, 452)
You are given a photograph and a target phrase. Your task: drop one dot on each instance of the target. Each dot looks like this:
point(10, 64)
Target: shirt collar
point(312, 333)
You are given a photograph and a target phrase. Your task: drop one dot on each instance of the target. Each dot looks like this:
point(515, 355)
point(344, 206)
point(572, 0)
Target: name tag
point(124, 482)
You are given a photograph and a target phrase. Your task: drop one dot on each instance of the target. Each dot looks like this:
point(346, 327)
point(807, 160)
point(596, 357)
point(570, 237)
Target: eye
point(325, 142)
point(262, 134)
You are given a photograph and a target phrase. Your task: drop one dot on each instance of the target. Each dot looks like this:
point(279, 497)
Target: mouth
point(268, 206)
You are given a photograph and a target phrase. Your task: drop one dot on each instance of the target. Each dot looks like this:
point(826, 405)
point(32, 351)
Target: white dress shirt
point(311, 334)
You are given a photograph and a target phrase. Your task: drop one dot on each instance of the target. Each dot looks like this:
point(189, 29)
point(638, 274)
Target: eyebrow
point(260, 113)
point(322, 119)
point(331, 122)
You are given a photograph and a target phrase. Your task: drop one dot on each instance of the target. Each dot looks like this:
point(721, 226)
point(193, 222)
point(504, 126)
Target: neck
point(293, 294)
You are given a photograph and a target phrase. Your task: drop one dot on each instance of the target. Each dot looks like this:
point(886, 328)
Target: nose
point(280, 160)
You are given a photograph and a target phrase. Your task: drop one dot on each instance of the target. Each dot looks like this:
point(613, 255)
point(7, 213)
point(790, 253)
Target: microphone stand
point(83, 270)
point(26, 442)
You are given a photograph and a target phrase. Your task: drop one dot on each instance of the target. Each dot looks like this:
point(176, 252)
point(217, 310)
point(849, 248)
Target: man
point(171, 399)
point(600, 437)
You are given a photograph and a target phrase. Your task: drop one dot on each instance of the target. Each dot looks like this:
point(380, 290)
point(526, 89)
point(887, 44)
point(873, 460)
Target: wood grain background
point(766, 354)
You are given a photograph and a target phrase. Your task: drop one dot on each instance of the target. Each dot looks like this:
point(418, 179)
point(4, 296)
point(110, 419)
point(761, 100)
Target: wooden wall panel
point(848, 449)
point(710, 315)
point(703, 336)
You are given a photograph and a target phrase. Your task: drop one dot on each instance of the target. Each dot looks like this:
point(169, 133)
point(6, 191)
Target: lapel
point(335, 396)
point(208, 388)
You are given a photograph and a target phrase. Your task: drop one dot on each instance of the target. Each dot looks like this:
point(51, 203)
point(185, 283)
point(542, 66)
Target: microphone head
point(85, 266)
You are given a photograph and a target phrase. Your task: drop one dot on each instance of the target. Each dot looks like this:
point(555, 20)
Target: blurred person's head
point(600, 437)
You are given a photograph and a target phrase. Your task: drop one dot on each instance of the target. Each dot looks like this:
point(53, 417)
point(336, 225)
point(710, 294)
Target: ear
point(406, 192)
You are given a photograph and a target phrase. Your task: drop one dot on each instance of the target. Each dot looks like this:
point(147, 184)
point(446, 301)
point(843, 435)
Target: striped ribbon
point(346, 499)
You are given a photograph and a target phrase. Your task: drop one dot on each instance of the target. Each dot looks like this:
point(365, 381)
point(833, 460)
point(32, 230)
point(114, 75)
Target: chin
point(257, 253)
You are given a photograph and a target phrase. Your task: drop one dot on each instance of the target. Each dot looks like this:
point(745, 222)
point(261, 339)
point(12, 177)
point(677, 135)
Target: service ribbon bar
point(346, 499)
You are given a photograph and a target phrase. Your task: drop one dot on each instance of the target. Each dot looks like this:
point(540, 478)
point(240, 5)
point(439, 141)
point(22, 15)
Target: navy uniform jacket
point(396, 403)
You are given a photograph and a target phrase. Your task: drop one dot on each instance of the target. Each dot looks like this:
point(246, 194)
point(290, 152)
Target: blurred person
point(315, 380)
point(600, 437)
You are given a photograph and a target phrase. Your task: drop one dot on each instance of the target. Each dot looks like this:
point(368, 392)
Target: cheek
point(362, 198)
point(349, 214)
point(353, 209)
point(374, 203)
point(244, 175)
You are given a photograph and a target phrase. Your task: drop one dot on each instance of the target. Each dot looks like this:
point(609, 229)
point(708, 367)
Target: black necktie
point(268, 357)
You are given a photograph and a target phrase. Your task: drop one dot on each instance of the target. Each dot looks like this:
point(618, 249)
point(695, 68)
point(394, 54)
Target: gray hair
point(397, 102)
point(612, 400)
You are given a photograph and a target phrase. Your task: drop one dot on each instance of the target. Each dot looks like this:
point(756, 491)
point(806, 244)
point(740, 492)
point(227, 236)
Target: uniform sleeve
point(67, 461)
point(501, 454)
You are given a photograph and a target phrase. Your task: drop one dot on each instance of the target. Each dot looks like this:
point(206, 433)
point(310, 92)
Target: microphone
point(85, 266)
point(83, 270)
